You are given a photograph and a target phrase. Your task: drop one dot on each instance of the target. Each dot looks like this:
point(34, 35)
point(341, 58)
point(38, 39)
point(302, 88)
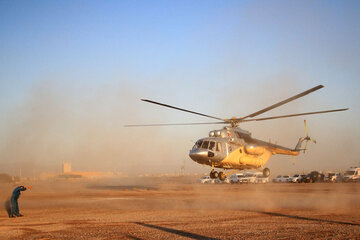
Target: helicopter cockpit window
point(197, 144)
point(212, 146)
point(205, 144)
point(218, 147)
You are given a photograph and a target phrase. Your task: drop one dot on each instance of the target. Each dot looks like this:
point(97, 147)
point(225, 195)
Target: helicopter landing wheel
point(214, 174)
point(222, 176)
point(266, 172)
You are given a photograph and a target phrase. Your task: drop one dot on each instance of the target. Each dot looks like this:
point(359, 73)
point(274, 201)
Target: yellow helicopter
point(233, 148)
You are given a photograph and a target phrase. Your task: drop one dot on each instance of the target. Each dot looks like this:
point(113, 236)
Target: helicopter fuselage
point(234, 148)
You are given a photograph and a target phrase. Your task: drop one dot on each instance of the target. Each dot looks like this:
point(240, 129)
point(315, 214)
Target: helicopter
point(233, 148)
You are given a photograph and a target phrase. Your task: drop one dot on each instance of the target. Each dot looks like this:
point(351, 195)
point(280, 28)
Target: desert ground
point(180, 208)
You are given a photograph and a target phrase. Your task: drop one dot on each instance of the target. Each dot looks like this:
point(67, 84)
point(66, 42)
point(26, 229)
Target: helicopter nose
point(199, 155)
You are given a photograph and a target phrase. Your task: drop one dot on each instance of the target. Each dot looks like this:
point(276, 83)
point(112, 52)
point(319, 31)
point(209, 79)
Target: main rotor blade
point(184, 110)
point(282, 102)
point(173, 124)
point(295, 115)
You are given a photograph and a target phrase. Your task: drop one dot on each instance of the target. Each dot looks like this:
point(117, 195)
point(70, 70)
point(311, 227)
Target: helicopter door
point(211, 149)
point(226, 151)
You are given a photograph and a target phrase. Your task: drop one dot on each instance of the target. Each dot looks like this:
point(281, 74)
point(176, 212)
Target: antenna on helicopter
point(307, 138)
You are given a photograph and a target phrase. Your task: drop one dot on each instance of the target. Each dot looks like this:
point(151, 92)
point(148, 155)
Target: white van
point(352, 174)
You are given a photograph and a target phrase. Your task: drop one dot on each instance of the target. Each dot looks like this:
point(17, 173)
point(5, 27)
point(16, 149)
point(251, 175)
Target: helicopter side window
point(205, 144)
point(218, 147)
point(212, 146)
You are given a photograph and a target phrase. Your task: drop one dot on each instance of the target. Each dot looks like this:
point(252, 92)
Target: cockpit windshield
point(211, 145)
point(205, 144)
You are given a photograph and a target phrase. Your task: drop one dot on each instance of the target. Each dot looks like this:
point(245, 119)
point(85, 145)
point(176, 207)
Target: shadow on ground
point(174, 231)
point(306, 218)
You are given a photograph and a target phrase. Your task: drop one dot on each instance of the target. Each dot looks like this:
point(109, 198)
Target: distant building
point(67, 173)
point(66, 167)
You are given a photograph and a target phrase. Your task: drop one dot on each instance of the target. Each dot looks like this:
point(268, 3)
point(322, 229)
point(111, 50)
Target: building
point(66, 167)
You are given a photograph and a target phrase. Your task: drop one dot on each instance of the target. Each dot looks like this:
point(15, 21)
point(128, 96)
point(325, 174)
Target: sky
point(72, 73)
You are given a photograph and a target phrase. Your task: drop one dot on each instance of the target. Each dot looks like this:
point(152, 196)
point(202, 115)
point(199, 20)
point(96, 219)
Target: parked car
point(314, 176)
point(227, 180)
point(333, 177)
point(261, 179)
point(207, 179)
point(352, 175)
point(235, 178)
point(297, 178)
point(248, 178)
point(277, 179)
point(203, 179)
point(213, 181)
point(281, 179)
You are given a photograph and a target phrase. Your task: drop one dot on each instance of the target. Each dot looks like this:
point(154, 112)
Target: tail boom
point(287, 151)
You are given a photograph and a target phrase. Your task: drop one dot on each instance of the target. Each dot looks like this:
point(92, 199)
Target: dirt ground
point(179, 208)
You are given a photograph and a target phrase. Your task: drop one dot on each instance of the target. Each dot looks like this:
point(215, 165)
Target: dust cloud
point(180, 193)
point(83, 124)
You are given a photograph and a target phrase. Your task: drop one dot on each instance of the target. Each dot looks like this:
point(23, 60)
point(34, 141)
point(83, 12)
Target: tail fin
point(298, 145)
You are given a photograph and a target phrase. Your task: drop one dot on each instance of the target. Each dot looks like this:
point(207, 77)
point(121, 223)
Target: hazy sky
point(72, 74)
